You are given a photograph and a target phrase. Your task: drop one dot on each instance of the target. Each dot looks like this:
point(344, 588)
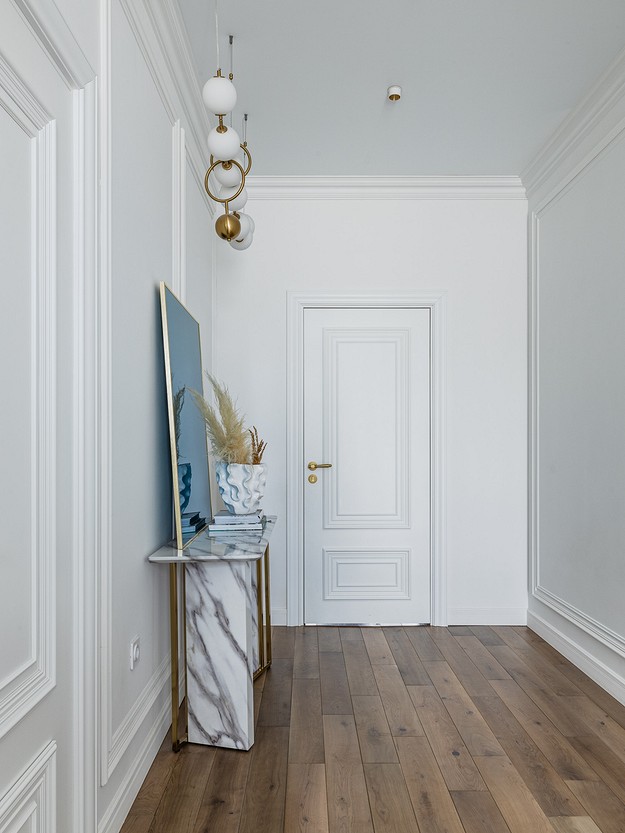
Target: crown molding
point(51, 30)
point(385, 187)
point(606, 93)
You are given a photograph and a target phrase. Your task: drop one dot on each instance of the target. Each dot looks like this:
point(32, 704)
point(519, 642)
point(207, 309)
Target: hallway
point(399, 730)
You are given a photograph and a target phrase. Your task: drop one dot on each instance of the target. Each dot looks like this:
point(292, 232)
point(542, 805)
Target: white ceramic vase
point(241, 486)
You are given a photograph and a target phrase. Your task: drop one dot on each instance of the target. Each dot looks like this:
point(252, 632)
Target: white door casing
point(298, 304)
point(366, 519)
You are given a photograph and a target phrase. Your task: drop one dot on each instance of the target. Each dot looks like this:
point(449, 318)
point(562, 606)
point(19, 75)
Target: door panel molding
point(334, 517)
point(297, 303)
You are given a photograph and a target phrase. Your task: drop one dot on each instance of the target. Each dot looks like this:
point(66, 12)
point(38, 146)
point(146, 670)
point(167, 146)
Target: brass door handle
point(313, 466)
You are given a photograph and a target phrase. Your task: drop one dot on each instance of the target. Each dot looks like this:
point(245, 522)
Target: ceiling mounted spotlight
point(394, 92)
point(225, 145)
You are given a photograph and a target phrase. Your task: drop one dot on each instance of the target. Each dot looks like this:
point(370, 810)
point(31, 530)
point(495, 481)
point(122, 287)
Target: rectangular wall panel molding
point(29, 805)
point(24, 685)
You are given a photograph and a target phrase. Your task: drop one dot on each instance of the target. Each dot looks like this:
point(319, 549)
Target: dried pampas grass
point(230, 440)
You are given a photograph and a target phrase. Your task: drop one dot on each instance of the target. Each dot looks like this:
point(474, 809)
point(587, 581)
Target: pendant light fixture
point(224, 144)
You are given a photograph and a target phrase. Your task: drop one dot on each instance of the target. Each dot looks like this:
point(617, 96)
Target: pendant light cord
point(217, 34)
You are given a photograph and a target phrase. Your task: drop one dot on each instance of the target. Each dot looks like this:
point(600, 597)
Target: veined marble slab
point(222, 632)
point(221, 604)
point(220, 546)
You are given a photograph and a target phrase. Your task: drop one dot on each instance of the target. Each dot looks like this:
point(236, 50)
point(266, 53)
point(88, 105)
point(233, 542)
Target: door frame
point(297, 304)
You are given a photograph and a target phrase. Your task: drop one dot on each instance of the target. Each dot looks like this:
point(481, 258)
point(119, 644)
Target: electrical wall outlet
point(135, 652)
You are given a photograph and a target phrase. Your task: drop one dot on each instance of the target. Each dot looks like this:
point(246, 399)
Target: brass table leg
point(259, 609)
point(173, 630)
point(267, 607)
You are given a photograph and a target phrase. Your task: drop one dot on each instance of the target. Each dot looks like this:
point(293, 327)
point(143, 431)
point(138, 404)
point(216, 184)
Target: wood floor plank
point(306, 654)
point(556, 681)
point(348, 802)
point(452, 756)
point(263, 805)
point(459, 630)
point(479, 813)
point(615, 709)
point(275, 706)
point(146, 804)
point(306, 728)
point(329, 639)
point(431, 801)
point(377, 647)
point(472, 727)
point(486, 635)
point(391, 808)
point(568, 763)
point(359, 672)
point(548, 788)
point(335, 697)
point(423, 644)
point(538, 689)
point(574, 824)
point(601, 804)
point(183, 794)
point(223, 796)
point(463, 667)
point(608, 766)
point(400, 711)
point(282, 642)
point(374, 734)
point(599, 722)
point(306, 799)
point(410, 666)
point(517, 804)
point(481, 657)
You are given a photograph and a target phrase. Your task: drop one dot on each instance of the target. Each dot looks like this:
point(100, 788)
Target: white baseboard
point(563, 637)
point(122, 801)
point(278, 616)
point(487, 616)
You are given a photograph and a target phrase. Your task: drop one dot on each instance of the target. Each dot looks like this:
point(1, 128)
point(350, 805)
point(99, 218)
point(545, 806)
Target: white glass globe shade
point(239, 202)
point(246, 227)
point(242, 245)
point(252, 224)
point(224, 146)
point(220, 95)
point(229, 177)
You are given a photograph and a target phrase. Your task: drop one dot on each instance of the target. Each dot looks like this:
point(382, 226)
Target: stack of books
point(225, 522)
point(192, 523)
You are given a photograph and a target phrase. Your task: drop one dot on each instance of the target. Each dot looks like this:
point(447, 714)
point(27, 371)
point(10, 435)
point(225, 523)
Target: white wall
point(578, 210)
point(101, 199)
point(475, 252)
point(158, 222)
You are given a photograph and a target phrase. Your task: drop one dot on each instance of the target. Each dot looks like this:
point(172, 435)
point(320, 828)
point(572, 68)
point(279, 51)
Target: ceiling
point(485, 82)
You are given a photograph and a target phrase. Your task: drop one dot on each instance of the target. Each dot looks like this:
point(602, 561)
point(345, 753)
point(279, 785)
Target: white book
point(234, 529)
point(224, 517)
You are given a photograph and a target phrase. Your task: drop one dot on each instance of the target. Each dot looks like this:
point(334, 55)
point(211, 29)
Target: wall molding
point(26, 686)
point(297, 303)
point(32, 796)
point(606, 93)
point(385, 187)
point(51, 30)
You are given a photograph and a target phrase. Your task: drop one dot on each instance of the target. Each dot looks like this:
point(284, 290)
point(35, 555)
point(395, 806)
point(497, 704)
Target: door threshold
point(367, 625)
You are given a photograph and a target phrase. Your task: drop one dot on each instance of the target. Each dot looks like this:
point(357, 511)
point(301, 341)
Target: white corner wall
point(473, 251)
point(577, 208)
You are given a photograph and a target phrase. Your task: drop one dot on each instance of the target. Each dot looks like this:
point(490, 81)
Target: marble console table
point(225, 590)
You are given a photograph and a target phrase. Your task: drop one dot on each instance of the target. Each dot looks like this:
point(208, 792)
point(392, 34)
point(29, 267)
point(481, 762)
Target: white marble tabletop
point(215, 546)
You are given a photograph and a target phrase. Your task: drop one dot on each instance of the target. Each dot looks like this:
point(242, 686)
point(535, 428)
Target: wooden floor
point(397, 730)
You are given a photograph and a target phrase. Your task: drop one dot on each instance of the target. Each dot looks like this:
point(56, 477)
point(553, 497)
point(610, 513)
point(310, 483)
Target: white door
point(367, 416)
